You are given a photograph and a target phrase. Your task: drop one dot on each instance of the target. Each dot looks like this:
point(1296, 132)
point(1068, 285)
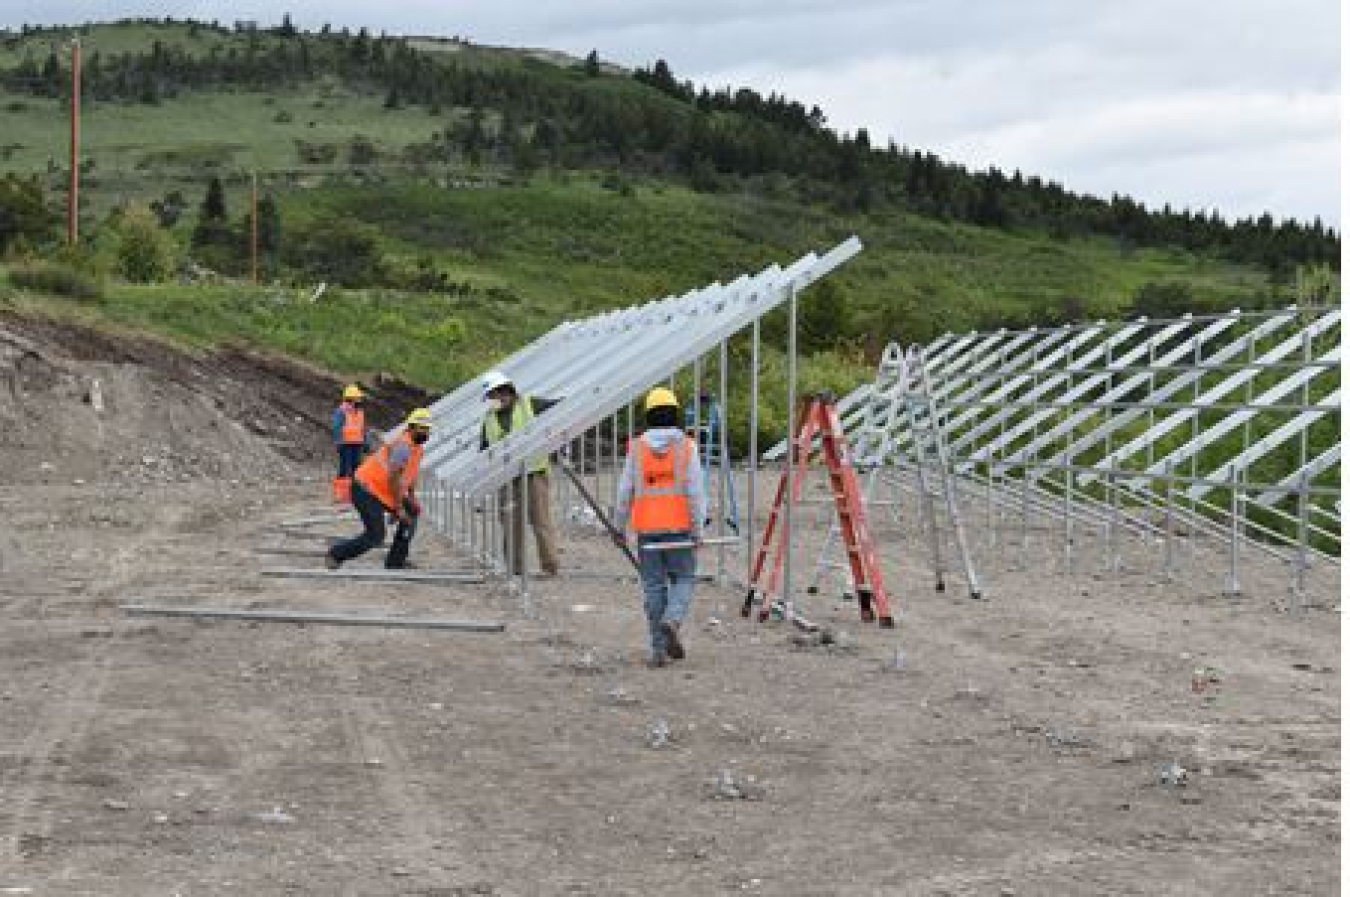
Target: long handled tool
point(619, 540)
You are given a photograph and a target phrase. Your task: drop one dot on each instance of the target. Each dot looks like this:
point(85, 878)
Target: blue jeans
point(667, 585)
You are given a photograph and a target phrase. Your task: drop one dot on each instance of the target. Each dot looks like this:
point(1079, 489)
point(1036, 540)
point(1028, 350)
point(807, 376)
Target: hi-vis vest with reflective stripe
point(660, 489)
point(522, 412)
point(373, 474)
point(353, 424)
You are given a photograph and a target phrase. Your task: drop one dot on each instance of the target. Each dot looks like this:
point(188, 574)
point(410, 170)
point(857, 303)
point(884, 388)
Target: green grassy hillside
point(472, 252)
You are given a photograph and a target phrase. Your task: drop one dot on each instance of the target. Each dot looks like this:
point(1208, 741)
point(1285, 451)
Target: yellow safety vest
point(522, 412)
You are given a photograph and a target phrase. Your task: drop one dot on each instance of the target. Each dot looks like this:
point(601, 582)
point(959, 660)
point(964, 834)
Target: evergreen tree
point(663, 79)
point(213, 228)
point(360, 46)
point(592, 64)
point(213, 206)
point(269, 224)
point(23, 212)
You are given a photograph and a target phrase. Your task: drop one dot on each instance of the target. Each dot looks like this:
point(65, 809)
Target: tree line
point(657, 124)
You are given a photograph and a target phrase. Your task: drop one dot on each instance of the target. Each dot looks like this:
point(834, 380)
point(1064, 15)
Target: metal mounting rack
point(1225, 425)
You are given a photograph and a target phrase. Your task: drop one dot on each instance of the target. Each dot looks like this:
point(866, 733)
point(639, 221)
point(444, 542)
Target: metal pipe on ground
point(376, 575)
point(332, 619)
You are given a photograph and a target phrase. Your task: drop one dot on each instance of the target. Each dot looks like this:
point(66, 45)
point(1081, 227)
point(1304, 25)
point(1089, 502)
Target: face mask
point(495, 405)
point(420, 438)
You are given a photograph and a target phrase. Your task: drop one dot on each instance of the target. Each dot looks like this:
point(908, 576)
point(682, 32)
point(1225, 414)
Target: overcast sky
point(1227, 104)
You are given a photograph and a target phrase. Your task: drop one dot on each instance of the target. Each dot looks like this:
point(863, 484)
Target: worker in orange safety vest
point(384, 485)
point(661, 498)
point(349, 436)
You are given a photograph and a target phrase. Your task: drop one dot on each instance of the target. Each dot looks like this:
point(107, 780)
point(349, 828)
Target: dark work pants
point(372, 536)
point(349, 458)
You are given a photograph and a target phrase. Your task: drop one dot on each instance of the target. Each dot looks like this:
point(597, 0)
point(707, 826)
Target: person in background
point(384, 484)
point(349, 436)
point(706, 433)
point(507, 412)
point(661, 498)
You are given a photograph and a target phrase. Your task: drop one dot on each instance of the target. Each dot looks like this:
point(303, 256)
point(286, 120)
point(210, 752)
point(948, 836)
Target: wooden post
point(73, 199)
point(253, 228)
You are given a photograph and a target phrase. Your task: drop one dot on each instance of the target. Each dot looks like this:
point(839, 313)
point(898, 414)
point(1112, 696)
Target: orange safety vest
point(373, 474)
point(353, 424)
point(660, 499)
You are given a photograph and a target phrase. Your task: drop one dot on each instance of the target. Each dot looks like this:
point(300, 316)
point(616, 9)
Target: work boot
point(657, 662)
point(671, 628)
point(331, 562)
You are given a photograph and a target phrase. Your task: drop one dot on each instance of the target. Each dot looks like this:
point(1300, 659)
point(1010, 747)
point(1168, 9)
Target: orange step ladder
point(820, 420)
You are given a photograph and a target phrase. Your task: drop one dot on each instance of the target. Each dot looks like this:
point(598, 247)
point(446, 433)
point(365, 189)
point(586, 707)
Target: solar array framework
point(595, 367)
point(1227, 424)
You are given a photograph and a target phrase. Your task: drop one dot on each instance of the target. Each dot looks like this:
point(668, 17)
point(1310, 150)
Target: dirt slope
point(90, 405)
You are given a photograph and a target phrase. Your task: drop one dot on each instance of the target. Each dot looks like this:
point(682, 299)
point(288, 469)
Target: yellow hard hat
point(353, 392)
point(420, 417)
point(661, 398)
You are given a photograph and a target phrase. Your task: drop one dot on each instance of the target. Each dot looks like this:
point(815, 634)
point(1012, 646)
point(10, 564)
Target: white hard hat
point(495, 379)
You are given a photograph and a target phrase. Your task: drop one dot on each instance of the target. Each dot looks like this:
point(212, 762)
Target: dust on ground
point(1088, 734)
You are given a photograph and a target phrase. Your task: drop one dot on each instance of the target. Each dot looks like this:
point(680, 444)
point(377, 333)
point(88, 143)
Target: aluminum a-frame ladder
point(928, 448)
point(820, 420)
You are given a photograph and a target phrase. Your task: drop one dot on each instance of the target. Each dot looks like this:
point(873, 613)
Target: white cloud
point(1193, 102)
point(1200, 114)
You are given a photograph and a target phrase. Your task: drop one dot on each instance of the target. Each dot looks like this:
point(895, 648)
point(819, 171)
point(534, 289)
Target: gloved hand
point(415, 506)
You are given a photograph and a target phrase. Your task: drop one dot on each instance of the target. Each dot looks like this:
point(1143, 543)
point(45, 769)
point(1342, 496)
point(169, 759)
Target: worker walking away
point(349, 436)
point(661, 498)
point(384, 485)
point(508, 412)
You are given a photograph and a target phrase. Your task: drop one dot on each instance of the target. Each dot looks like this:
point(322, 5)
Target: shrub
point(448, 332)
point(52, 277)
point(145, 253)
point(336, 250)
point(1162, 300)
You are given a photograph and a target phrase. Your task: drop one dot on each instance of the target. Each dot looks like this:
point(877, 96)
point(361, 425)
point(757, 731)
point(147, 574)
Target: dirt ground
point(1020, 747)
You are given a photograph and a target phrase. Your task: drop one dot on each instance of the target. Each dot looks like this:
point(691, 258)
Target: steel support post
point(525, 533)
point(595, 456)
point(1069, 437)
point(724, 472)
point(1169, 528)
point(752, 460)
point(1300, 601)
point(1024, 561)
point(1234, 533)
point(614, 467)
point(789, 601)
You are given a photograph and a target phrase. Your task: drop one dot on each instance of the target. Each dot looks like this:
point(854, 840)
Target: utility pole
point(253, 227)
point(73, 199)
